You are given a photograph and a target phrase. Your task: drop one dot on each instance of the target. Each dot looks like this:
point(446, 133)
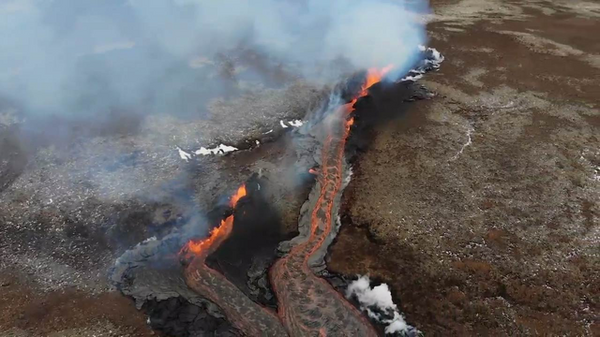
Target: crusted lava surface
point(308, 305)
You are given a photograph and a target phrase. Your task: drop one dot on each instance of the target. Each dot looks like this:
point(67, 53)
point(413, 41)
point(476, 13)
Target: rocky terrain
point(479, 207)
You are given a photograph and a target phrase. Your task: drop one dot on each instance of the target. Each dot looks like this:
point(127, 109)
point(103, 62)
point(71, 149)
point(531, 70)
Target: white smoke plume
point(378, 304)
point(84, 57)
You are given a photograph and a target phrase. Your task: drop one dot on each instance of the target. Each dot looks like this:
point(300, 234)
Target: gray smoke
point(74, 57)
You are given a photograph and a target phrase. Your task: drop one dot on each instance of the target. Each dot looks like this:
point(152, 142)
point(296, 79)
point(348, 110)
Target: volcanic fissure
point(306, 303)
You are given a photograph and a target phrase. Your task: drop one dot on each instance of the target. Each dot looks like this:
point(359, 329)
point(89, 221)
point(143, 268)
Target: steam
point(86, 57)
point(378, 304)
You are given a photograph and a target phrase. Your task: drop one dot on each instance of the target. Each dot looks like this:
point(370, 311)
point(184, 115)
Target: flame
point(217, 234)
point(241, 192)
point(205, 246)
point(373, 77)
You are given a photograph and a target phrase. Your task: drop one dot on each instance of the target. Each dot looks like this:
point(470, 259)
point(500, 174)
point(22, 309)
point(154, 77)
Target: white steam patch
point(220, 149)
point(152, 238)
point(184, 155)
point(348, 177)
point(432, 62)
point(378, 304)
point(294, 123)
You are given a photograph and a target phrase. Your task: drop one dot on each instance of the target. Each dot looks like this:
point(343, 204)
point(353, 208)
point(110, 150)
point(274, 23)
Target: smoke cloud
point(378, 304)
point(73, 57)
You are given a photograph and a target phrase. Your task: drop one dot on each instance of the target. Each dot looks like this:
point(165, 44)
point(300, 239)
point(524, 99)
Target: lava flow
point(201, 248)
point(308, 305)
point(241, 311)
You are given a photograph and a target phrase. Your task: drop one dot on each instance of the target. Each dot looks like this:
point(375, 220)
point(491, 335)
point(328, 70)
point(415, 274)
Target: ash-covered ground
point(480, 207)
point(70, 206)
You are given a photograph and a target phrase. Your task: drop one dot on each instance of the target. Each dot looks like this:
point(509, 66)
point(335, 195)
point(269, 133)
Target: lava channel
point(309, 305)
point(246, 315)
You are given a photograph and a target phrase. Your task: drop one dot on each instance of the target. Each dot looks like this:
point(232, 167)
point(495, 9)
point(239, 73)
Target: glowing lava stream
point(308, 305)
point(245, 314)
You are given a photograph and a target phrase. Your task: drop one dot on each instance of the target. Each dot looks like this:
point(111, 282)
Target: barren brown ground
point(485, 218)
point(27, 311)
point(479, 207)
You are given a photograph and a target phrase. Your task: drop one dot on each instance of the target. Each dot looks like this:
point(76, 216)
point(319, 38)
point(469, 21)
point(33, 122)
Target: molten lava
point(246, 315)
point(240, 193)
point(217, 235)
point(373, 77)
point(307, 304)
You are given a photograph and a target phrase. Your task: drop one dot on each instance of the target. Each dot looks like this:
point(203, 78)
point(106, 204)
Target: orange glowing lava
point(307, 304)
point(374, 76)
point(203, 247)
point(241, 192)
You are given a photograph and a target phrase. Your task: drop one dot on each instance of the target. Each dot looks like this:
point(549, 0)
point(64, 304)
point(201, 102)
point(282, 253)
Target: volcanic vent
point(294, 300)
